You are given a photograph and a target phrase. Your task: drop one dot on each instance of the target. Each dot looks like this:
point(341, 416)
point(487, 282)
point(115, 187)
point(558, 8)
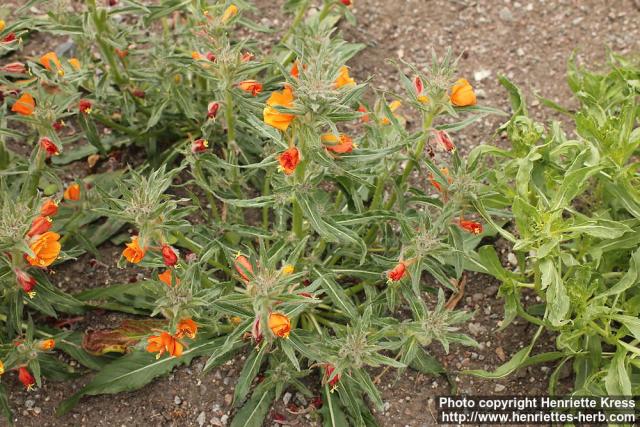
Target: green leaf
point(248, 373)
point(4, 404)
point(337, 294)
point(425, 363)
point(558, 302)
point(618, 379)
point(253, 413)
point(136, 370)
point(332, 414)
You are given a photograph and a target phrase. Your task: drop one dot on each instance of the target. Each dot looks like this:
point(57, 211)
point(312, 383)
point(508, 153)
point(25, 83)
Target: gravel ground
point(528, 41)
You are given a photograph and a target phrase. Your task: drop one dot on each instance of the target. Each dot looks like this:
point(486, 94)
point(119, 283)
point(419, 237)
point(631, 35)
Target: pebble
point(202, 418)
point(506, 15)
point(499, 388)
point(228, 399)
point(224, 419)
point(287, 398)
point(177, 400)
point(481, 75)
point(511, 257)
point(29, 403)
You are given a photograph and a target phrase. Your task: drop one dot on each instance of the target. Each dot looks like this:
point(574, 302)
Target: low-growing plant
point(573, 210)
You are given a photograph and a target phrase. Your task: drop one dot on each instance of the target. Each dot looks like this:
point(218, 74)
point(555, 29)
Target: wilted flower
point(473, 227)
point(256, 331)
point(49, 147)
point(274, 117)
point(289, 160)
point(199, 146)
point(25, 105)
point(341, 145)
point(243, 267)
point(247, 56)
point(343, 78)
point(46, 249)
point(46, 345)
point(84, 106)
point(210, 56)
point(133, 252)
point(436, 184)
point(14, 67)
point(212, 110)
point(329, 378)
point(27, 282)
point(121, 53)
point(9, 38)
point(72, 192)
point(229, 13)
point(365, 114)
point(442, 137)
point(40, 225)
point(138, 93)
point(280, 324)
point(186, 328)
point(26, 378)
point(462, 94)
point(164, 343)
point(58, 125)
point(169, 256)
point(397, 273)
point(251, 86)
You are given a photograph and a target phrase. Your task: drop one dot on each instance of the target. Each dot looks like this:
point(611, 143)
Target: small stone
point(511, 257)
point(215, 421)
point(477, 297)
point(177, 400)
point(224, 419)
point(202, 418)
point(506, 15)
point(481, 93)
point(215, 407)
point(287, 398)
point(300, 399)
point(37, 410)
point(500, 353)
point(499, 388)
point(29, 403)
point(228, 399)
point(481, 75)
point(475, 328)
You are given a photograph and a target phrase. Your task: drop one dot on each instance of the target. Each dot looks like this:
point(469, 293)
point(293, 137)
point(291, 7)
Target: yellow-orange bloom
point(164, 342)
point(72, 192)
point(186, 328)
point(46, 345)
point(340, 146)
point(280, 325)
point(272, 116)
point(393, 107)
point(462, 94)
point(75, 64)
point(46, 249)
point(1, 367)
point(166, 276)
point(49, 59)
point(25, 105)
point(133, 252)
point(2, 24)
point(229, 13)
point(251, 86)
point(287, 269)
point(343, 78)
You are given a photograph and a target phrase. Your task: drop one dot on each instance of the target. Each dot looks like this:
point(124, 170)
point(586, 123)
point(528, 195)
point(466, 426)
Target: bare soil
point(529, 41)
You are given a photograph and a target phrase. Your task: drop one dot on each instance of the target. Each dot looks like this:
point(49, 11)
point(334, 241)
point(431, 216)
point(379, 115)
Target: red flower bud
point(417, 83)
point(397, 273)
point(328, 373)
point(473, 227)
point(9, 38)
point(256, 331)
point(247, 56)
point(346, 2)
point(199, 146)
point(212, 110)
point(49, 147)
point(27, 282)
point(58, 125)
point(40, 225)
point(138, 93)
point(211, 57)
point(169, 256)
point(243, 267)
point(112, 2)
point(49, 208)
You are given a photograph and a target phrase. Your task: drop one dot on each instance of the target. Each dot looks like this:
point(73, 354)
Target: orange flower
point(121, 53)
point(289, 160)
point(164, 342)
point(46, 345)
point(26, 378)
point(295, 70)
point(229, 13)
point(365, 114)
point(75, 64)
point(133, 252)
point(462, 94)
point(40, 225)
point(344, 145)
point(343, 78)
point(397, 273)
point(280, 325)
point(25, 105)
point(436, 184)
point(471, 226)
point(243, 267)
point(72, 192)
point(46, 250)
point(251, 86)
point(49, 59)
point(49, 208)
point(166, 277)
point(274, 117)
point(186, 328)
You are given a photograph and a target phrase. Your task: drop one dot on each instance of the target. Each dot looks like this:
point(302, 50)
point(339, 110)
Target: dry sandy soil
point(527, 40)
